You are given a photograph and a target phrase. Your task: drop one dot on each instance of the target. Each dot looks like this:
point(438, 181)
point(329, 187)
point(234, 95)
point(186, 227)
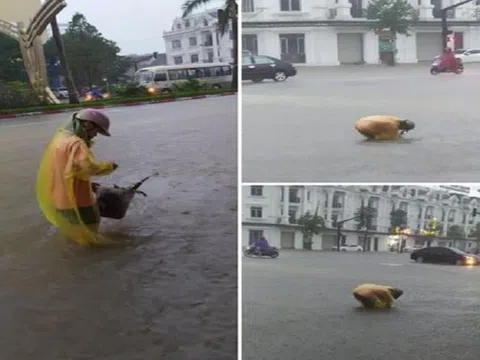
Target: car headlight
point(470, 260)
point(151, 90)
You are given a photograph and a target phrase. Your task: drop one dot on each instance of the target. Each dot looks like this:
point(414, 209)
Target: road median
point(113, 102)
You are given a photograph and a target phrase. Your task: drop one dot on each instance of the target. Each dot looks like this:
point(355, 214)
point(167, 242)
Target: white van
point(161, 79)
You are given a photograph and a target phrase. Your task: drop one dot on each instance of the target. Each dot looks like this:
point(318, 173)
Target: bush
point(191, 85)
point(18, 94)
point(130, 90)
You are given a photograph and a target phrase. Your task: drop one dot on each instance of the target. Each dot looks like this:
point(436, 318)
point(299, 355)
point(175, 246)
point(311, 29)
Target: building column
point(422, 217)
point(343, 10)
point(286, 193)
point(328, 220)
point(215, 46)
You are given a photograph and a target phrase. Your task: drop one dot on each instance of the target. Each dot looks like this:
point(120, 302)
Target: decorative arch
point(31, 46)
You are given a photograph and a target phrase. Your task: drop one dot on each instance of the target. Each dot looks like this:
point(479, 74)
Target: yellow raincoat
point(373, 296)
point(379, 127)
point(64, 187)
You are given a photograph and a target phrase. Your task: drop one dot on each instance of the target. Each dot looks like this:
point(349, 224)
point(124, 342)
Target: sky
point(135, 25)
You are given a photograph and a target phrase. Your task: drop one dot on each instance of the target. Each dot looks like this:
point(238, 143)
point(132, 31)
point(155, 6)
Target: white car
point(468, 56)
point(349, 248)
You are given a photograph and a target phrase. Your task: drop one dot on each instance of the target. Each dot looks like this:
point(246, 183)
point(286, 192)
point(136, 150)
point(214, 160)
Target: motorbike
point(251, 251)
point(437, 67)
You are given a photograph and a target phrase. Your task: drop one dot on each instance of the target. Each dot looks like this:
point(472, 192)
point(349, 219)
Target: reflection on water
point(408, 140)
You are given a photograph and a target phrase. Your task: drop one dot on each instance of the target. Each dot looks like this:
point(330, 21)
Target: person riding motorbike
point(448, 60)
point(64, 188)
point(373, 296)
point(262, 246)
point(383, 127)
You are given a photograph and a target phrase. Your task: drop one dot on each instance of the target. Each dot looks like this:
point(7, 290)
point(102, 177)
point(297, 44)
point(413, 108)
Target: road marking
point(391, 264)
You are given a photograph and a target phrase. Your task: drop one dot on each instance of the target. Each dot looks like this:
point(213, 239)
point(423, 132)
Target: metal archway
point(31, 46)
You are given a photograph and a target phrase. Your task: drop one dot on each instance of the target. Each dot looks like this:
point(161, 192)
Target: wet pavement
point(171, 292)
point(300, 306)
point(302, 130)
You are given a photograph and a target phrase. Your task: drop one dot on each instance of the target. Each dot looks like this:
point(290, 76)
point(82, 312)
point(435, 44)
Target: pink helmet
point(96, 117)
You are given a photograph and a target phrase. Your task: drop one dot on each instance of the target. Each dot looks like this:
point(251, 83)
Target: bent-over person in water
point(373, 296)
point(383, 127)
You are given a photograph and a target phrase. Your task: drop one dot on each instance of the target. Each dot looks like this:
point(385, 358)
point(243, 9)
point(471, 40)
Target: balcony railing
point(294, 199)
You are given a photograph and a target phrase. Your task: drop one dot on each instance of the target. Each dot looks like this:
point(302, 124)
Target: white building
point(196, 39)
point(267, 211)
point(333, 32)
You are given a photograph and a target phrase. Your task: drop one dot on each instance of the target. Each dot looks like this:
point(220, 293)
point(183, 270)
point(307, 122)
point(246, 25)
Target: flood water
point(302, 130)
point(170, 292)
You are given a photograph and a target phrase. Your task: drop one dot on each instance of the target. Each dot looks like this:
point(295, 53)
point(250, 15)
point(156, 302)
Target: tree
point(366, 214)
point(310, 224)
point(476, 232)
point(228, 14)
point(91, 57)
point(398, 218)
point(396, 16)
point(11, 62)
point(456, 232)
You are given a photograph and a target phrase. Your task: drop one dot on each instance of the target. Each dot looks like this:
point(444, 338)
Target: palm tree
point(227, 14)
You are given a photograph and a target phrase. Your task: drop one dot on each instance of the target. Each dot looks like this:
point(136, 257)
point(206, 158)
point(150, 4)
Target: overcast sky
point(135, 25)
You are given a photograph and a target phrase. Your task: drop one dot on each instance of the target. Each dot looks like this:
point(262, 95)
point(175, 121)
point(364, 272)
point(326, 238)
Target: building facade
point(21, 11)
point(196, 39)
point(334, 32)
point(272, 211)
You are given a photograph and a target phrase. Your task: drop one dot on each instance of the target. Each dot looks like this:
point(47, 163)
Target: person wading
point(64, 187)
point(383, 127)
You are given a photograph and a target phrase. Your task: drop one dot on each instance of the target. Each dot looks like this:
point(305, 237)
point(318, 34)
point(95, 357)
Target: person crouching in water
point(373, 296)
point(64, 188)
point(383, 127)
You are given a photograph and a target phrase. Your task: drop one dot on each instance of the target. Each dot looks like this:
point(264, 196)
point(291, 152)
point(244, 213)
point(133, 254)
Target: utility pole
point(57, 37)
point(444, 11)
point(339, 229)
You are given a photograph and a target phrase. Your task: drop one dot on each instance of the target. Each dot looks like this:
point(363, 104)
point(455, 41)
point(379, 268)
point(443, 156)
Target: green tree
point(91, 57)
point(398, 218)
point(456, 232)
point(365, 215)
point(228, 14)
point(11, 62)
point(395, 16)
point(310, 224)
point(475, 233)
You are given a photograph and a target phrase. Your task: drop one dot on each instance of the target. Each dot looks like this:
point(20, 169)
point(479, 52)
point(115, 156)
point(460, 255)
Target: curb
point(50, 112)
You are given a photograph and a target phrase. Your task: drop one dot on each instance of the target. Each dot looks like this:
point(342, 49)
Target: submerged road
point(300, 306)
point(302, 130)
point(172, 292)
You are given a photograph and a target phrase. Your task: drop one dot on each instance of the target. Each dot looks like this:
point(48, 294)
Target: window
point(309, 195)
point(176, 44)
point(205, 22)
point(210, 57)
point(250, 43)
point(256, 212)
point(292, 48)
point(194, 58)
point(230, 35)
point(289, 5)
point(256, 190)
point(248, 6)
point(263, 60)
point(192, 41)
point(160, 77)
point(254, 236)
point(177, 60)
point(208, 39)
point(187, 23)
point(177, 74)
point(247, 60)
point(179, 26)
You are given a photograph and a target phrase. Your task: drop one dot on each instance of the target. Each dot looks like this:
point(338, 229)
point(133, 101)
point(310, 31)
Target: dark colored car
point(443, 255)
point(259, 67)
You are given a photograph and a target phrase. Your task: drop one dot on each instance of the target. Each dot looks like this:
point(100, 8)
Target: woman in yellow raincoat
point(383, 127)
point(64, 188)
point(373, 296)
